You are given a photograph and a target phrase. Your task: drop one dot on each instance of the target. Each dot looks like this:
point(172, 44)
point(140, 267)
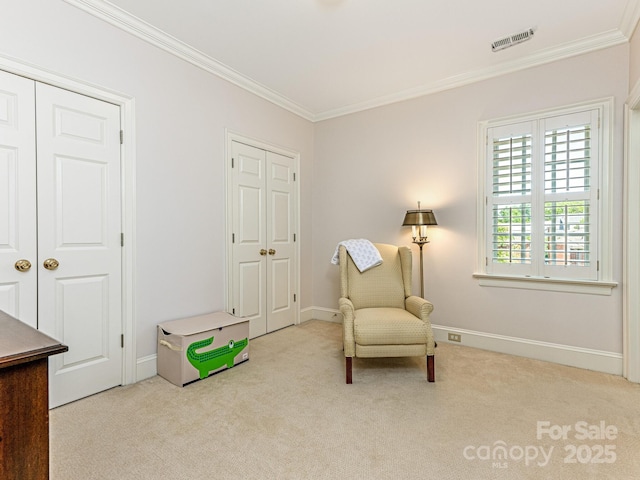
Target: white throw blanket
point(363, 253)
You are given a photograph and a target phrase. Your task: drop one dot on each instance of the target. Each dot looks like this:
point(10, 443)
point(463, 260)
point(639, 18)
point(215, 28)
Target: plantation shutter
point(570, 195)
point(542, 203)
point(510, 184)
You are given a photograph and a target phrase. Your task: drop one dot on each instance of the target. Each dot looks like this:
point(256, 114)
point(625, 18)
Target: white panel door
point(18, 198)
point(263, 248)
point(79, 296)
point(249, 243)
point(280, 242)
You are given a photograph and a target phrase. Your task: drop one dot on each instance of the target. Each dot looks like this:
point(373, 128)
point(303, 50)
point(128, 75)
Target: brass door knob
point(263, 251)
point(272, 251)
point(51, 264)
point(23, 265)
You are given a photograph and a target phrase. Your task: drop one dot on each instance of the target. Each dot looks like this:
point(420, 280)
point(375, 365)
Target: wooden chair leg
point(349, 369)
point(431, 370)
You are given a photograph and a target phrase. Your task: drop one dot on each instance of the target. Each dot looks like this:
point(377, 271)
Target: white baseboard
point(596, 360)
point(320, 313)
point(146, 367)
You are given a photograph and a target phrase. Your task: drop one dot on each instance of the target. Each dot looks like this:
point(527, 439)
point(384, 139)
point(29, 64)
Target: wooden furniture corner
point(24, 399)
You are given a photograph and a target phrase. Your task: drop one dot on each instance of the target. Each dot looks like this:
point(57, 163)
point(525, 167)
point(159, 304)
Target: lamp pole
point(421, 243)
point(418, 220)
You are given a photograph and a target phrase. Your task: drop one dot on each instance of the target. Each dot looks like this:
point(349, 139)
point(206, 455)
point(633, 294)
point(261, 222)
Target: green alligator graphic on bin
point(206, 362)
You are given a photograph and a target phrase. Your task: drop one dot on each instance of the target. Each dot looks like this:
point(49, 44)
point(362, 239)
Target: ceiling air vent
point(512, 40)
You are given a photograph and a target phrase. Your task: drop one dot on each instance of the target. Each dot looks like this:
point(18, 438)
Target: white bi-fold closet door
point(60, 224)
point(264, 256)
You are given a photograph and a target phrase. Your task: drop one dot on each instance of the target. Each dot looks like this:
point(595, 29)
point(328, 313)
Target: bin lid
point(200, 323)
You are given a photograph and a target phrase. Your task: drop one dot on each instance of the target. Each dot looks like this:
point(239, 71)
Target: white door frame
point(231, 137)
point(631, 239)
point(127, 158)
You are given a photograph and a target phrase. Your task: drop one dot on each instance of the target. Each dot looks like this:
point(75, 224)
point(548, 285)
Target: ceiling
point(325, 58)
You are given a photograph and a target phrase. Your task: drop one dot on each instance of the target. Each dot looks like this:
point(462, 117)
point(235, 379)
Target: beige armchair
point(381, 317)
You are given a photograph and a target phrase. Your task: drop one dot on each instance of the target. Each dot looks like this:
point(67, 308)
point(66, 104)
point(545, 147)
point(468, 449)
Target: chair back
point(386, 285)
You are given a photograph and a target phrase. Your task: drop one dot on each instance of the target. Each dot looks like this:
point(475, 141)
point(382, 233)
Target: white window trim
point(604, 284)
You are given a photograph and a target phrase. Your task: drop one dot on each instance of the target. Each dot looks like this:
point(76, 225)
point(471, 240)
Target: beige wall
point(181, 115)
point(370, 167)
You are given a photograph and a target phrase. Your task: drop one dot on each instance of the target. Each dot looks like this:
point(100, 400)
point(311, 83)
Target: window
point(544, 198)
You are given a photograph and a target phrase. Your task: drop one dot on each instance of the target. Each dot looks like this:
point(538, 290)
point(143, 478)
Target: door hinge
point(122, 340)
point(294, 237)
point(121, 137)
point(233, 310)
point(598, 266)
point(122, 239)
point(294, 176)
point(231, 162)
point(294, 298)
point(233, 238)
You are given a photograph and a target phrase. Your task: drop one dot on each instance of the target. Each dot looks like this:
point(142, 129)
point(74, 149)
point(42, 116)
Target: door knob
point(263, 251)
point(23, 265)
point(272, 251)
point(51, 264)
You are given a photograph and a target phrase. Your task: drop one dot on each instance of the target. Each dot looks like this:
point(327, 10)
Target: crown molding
point(630, 18)
point(119, 18)
point(571, 49)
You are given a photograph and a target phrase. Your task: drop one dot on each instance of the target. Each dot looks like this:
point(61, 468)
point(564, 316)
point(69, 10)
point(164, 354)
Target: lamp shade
point(419, 217)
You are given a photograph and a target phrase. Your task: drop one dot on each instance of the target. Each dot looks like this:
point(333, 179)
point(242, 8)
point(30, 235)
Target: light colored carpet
point(287, 414)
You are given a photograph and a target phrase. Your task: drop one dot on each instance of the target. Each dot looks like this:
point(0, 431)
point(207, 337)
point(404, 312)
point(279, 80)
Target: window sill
point(548, 284)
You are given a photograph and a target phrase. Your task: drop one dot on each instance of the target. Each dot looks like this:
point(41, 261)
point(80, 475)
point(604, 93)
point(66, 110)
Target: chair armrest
point(348, 314)
point(422, 308)
point(419, 307)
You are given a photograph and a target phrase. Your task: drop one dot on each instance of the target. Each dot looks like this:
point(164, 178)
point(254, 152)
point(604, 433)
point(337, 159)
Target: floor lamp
point(419, 220)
